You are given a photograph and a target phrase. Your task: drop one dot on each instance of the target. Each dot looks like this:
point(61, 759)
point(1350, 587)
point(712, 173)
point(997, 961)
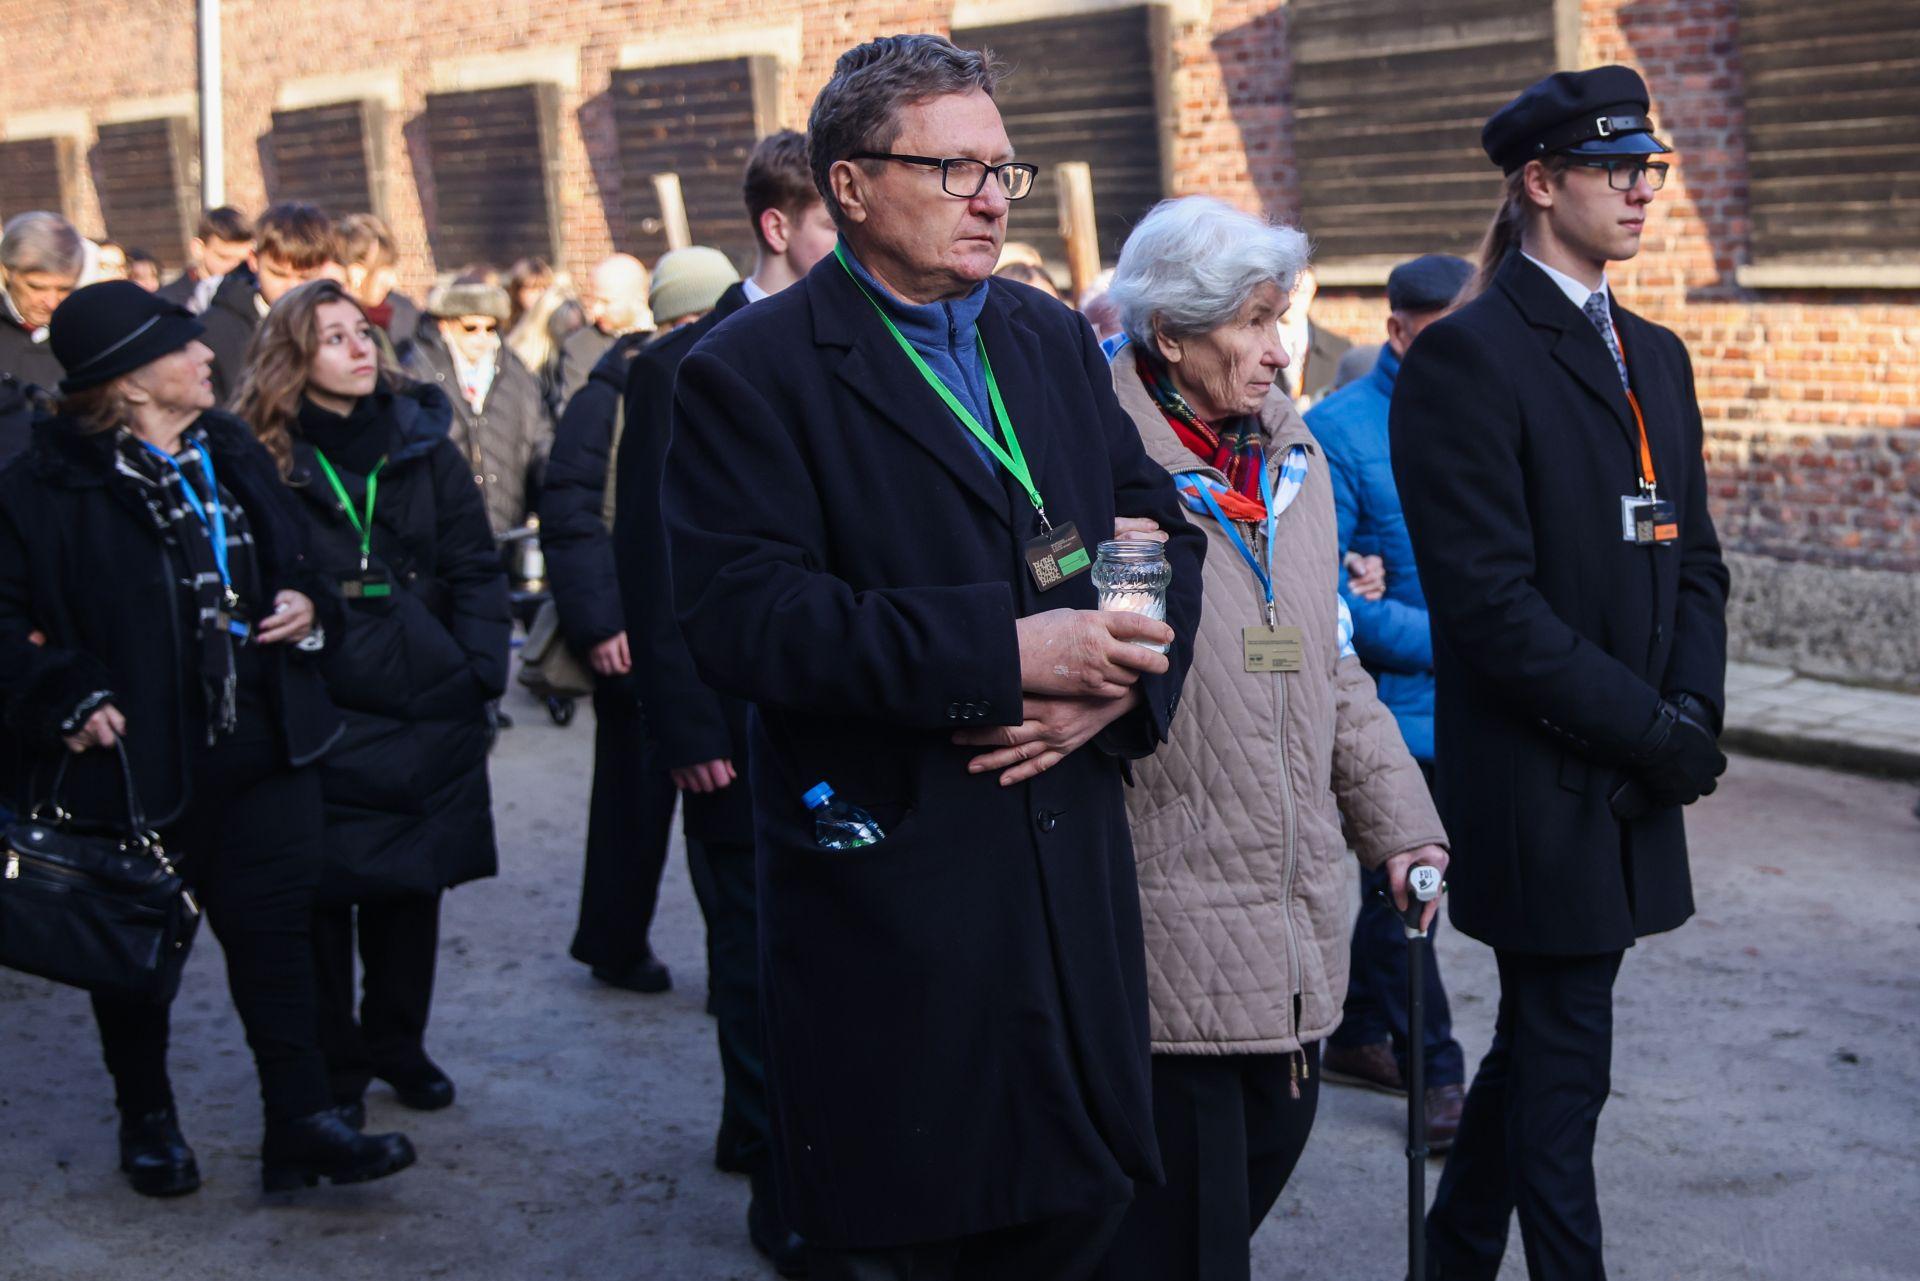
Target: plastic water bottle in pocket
point(838, 825)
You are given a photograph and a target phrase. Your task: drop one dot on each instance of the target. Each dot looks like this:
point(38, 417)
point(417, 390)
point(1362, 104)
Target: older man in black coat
point(1578, 601)
point(956, 1015)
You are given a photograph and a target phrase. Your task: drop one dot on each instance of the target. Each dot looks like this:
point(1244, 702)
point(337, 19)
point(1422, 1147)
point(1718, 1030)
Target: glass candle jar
point(1132, 574)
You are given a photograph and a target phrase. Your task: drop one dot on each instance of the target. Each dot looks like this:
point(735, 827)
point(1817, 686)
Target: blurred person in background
point(500, 421)
point(143, 269)
point(1242, 821)
point(41, 258)
point(615, 306)
point(394, 520)
point(371, 261)
point(1029, 274)
point(687, 283)
point(1392, 637)
point(220, 244)
point(207, 672)
point(692, 734)
point(293, 243)
point(543, 311)
point(1313, 353)
point(109, 261)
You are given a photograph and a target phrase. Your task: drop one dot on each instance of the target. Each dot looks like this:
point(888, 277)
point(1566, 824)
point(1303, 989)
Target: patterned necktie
point(1596, 311)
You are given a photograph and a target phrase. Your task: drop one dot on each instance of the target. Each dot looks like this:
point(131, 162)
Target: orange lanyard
point(1648, 480)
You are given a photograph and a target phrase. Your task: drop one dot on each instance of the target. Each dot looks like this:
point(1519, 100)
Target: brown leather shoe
point(1444, 1104)
point(1368, 1066)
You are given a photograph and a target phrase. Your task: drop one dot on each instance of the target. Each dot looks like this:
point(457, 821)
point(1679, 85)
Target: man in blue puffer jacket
point(1390, 632)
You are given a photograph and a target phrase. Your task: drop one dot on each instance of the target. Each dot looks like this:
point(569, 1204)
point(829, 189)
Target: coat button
point(953, 711)
point(1047, 820)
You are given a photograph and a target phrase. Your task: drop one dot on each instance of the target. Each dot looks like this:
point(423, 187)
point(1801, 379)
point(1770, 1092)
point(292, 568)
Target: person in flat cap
point(158, 614)
point(1547, 444)
point(500, 418)
point(1371, 1045)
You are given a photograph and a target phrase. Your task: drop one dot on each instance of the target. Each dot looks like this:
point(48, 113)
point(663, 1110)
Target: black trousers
point(1065, 1248)
point(1526, 1136)
point(399, 941)
point(250, 845)
point(722, 877)
point(1230, 1134)
point(629, 824)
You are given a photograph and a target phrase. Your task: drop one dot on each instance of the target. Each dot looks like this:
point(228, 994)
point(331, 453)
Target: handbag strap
point(137, 830)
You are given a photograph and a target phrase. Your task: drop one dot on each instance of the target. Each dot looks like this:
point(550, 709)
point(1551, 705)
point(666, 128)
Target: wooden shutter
point(1388, 100)
point(147, 173)
point(1833, 108)
point(1086, 87)
point(699, 120)
point(333, 156)
point(496, 183)
point(38, 173)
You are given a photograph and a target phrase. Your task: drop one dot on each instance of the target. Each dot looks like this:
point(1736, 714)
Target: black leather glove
point(1681, 762)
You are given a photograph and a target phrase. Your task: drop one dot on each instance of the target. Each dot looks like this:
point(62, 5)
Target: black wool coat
point(687, 721)
point(574, 536)
point(1554, 639)
point(231, 317)
point(16, 418)
point(81, 564)
point(956, 1017)
point(409, 807)
point(26, 360)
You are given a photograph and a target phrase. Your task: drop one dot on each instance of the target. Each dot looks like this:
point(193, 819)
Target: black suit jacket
point(1554, 640)
point(686, 721)
point(956, 1017)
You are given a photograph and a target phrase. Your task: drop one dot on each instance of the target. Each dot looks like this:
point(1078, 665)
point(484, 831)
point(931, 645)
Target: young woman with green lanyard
point(398, 525)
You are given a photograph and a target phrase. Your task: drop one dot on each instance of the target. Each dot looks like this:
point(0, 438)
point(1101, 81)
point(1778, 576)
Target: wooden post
point(673, 210)
point(1076, 224)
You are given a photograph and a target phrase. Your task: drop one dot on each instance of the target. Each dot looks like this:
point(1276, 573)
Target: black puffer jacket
point(27, 360)
point(576, 506)
point(81, 565)
point(408, 802)
point(506, 440)
point(230, 318)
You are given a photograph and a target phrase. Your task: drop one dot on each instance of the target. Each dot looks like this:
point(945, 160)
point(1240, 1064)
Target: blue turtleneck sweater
point(946, 336)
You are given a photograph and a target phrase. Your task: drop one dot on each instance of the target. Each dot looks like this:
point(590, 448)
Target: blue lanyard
point(214, 521)
point(1263, 573)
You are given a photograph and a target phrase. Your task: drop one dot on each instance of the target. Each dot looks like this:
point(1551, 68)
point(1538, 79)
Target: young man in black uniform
point(1547, 445)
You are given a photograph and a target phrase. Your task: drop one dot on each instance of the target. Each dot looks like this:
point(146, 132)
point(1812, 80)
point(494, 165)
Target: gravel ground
point(1763, 1123)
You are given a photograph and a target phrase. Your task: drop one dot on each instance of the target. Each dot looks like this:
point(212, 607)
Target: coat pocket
point(1164, 831)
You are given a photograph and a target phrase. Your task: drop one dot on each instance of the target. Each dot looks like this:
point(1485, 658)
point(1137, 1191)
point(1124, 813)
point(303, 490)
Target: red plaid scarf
point(1239, 453)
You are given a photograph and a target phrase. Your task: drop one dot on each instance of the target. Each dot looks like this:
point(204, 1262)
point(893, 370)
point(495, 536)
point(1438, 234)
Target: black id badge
point(1648, 522)
point(368, 584)
point(1056, 556)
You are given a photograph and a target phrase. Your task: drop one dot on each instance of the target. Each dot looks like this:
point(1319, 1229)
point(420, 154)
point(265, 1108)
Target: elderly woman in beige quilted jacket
point(1280, 760)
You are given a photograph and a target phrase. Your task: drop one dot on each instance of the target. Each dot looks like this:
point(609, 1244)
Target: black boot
point(301, 1152)
point(154, 1154)
point(422, 1087)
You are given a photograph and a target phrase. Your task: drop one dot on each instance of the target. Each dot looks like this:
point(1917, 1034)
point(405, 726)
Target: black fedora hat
point(113, 328)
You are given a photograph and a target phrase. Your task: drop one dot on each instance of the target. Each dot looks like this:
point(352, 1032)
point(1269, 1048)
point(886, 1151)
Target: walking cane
point(1423, 886)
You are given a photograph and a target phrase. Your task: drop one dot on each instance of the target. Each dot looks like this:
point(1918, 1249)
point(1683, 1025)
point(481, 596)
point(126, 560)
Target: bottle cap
point(817, 795)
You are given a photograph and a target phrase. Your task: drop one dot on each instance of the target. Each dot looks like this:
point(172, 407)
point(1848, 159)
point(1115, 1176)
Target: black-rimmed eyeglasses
point(965, 177)
point(1625, 175)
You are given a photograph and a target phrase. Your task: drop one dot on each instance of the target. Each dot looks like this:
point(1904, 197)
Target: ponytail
point(1504, 232)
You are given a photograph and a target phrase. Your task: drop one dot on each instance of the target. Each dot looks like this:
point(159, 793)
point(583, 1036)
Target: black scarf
point(162, 490)
point(355, 441)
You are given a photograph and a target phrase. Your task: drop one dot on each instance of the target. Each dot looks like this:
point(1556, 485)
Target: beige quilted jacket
point(1237, 819)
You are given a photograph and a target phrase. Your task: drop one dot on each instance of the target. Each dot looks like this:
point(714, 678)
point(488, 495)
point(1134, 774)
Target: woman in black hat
point(153, 590)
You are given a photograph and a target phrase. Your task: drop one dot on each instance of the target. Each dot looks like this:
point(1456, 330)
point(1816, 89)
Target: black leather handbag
point(99, 908)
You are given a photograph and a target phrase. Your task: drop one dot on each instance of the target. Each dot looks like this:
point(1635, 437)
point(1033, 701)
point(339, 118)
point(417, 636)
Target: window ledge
point(1348, 273)
point(1828, 275)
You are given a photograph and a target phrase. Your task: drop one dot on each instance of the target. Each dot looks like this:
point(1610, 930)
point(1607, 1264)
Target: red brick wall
point(1812, 398)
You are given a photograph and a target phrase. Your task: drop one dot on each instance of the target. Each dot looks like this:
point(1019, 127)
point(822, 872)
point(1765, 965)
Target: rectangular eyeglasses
point(965, 177)
point(1624, 175)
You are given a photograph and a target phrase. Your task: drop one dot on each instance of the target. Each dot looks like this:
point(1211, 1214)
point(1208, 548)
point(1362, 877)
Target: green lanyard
point(365, 526)
point(1011, 457)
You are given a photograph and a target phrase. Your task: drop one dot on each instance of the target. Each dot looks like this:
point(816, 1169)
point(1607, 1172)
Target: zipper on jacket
point(1290, 829)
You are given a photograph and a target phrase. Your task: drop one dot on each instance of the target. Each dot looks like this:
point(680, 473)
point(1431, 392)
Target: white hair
point(1193, 262)
point(42, 241)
